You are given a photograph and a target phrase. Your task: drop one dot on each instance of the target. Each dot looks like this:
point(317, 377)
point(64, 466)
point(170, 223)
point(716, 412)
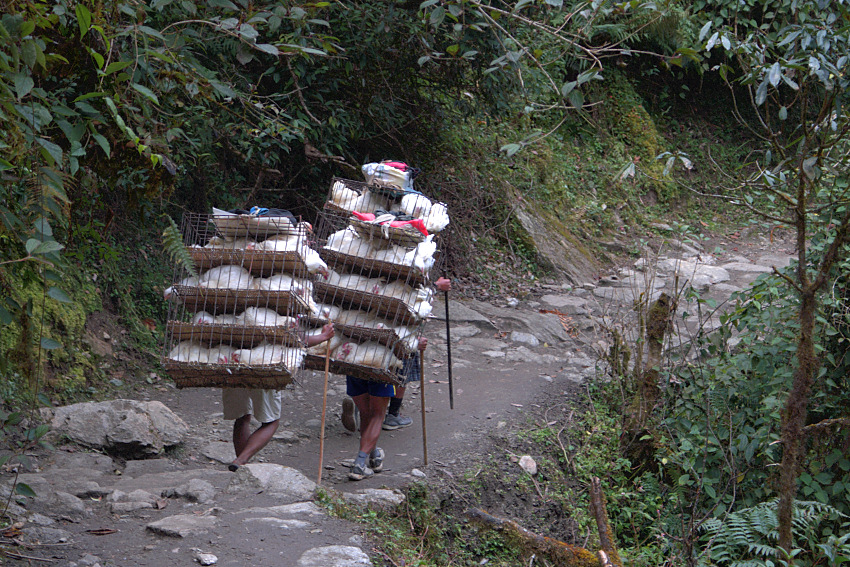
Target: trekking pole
point(422, 401)
point(324, 410)
point(449, 355)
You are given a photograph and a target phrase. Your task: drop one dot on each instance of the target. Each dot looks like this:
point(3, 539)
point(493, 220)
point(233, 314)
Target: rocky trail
point(182, 506)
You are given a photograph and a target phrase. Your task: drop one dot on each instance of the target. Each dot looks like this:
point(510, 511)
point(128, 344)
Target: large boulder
point(126, 427)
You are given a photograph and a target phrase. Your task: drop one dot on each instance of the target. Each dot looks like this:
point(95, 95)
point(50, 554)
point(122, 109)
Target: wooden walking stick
point(449, 355)
point(324, 410)
point(422, 401)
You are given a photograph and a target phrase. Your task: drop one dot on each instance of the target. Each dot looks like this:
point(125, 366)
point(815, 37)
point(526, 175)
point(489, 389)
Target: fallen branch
point(565, 554)
point(608, 554)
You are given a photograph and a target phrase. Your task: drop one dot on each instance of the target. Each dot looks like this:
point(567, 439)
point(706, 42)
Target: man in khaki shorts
point(241, 404)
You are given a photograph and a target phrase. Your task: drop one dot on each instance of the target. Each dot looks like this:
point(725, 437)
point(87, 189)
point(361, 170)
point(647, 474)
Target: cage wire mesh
point(378, 286)
point(237, 323)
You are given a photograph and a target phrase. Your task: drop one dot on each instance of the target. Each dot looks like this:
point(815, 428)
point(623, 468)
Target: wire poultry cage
point(234, 312)
point(377, 290)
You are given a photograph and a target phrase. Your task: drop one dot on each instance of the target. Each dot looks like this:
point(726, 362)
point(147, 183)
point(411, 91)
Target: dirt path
point(507, 360)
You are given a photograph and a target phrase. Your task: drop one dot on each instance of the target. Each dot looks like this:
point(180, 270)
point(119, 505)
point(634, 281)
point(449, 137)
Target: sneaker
point(359, 472)
point(350, 416)
point(395, 422)
point(376, 460)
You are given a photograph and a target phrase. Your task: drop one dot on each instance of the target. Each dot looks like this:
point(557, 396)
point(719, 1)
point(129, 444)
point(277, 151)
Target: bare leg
point(372, 411)
point(255, 441)
point(241, 433)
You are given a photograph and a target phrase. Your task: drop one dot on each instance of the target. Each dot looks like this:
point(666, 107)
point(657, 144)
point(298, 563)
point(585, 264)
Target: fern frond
point(46, 190)
point(173, 245)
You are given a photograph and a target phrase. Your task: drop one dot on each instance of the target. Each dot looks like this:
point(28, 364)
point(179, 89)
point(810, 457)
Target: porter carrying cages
point(377, 290)
point(236, 321)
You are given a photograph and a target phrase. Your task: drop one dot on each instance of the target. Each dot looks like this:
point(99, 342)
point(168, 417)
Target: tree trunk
point(636, 439)
point(794, 419)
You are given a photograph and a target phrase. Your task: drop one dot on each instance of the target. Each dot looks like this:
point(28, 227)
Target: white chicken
point(314, 262)
point(189, 351)
point(227, 319)
point(369, 353)
point(269, 354)
point(343, 197)
point(437, 218)
point(422, 303)
point(265, 317)
point(347, 241)
point(191, 281)
point(415, 205)
point(356, 282)
point(358, 318)
point(229, 277)
point(203, 318)
point(280, 243)
point(400, 290)
point(228, 243)
point(421, 258)
point(221, 354)
point(392, 253)
point(327, 311)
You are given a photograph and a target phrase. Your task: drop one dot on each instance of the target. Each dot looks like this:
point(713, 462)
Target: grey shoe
point(359, 472)
point(376, 460)
point(392, 422)
point(350, 415)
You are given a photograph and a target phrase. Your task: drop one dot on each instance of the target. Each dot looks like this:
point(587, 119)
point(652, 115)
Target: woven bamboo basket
point(259, 262)
point(252, 226)
point(389, 308)
point(370, 373)
point(220, 300)
point(370, 267)
point(198, 375)
point(238, 336)
point(386, 337)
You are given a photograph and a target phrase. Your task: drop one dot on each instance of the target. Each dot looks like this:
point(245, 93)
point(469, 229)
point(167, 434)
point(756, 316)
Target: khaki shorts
point(264, 405)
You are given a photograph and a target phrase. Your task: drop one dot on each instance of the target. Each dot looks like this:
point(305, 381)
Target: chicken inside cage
point(235, 320)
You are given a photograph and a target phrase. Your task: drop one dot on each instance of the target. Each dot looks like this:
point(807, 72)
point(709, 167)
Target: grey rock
point(182, 525)
point(569, 304)
point(81, 461)
point(335, 556)
point(689, 269)
point(380, 498)
point(204, 558)
point(300, 508)
point(483, 342)
point(66, 506)
point(127, 427)
point(746, 267)
point(277, 480)
point(44, 535)
point(89, 560)
point(157, 483)
point(525, 338)
point(148, 466)
point(281, 523)
point(494, 353)
point(220, 451)
point(460, 332)
point(778, 260)
point(460, 312)
point(41, 520)
point(129, 507)
point(196, 490)
point(417, 473)
point(545, 326)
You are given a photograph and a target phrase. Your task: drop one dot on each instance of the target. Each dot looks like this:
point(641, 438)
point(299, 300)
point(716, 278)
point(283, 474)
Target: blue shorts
point(358, 386)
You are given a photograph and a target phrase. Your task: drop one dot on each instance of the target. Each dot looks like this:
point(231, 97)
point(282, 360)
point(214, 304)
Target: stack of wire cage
point(378, 289)
point(234, 320)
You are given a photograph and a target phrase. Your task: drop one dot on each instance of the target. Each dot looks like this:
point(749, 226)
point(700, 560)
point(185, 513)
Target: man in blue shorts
point(371, 400)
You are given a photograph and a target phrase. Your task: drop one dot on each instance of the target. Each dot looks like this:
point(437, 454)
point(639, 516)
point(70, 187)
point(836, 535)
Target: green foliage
point(748, 536)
